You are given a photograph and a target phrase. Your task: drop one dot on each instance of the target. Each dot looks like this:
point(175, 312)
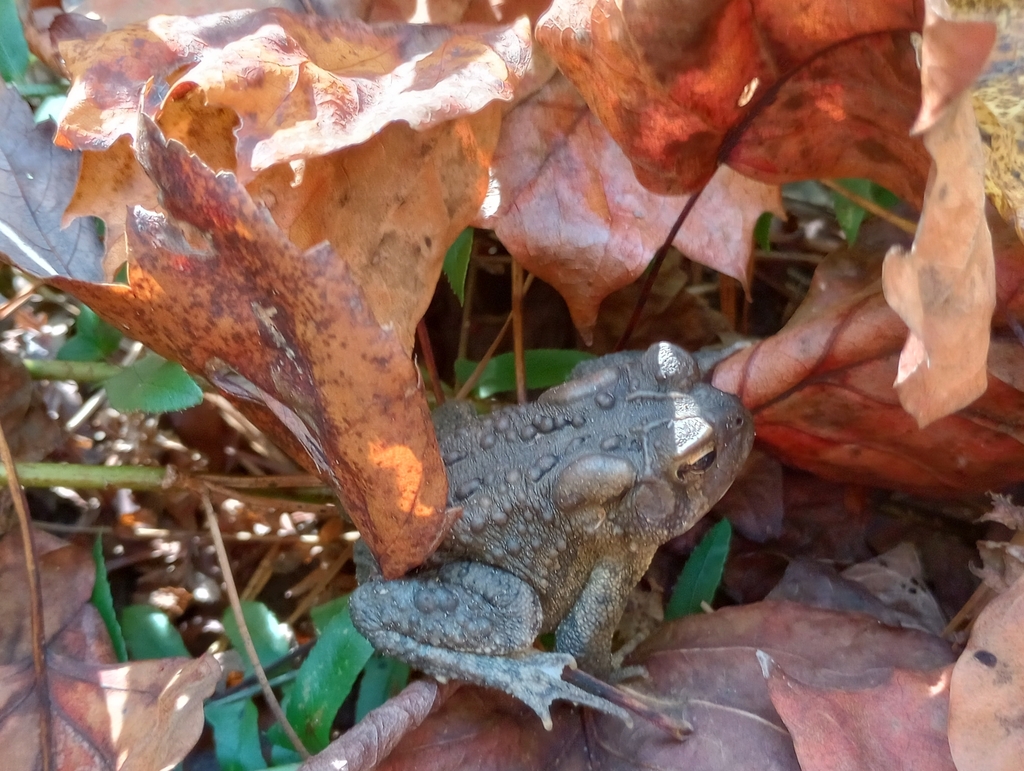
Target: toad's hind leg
point(470, 621)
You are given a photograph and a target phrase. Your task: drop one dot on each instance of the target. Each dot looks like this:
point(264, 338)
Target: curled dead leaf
point(342, 389)
point(812, 94)
point(565, 202)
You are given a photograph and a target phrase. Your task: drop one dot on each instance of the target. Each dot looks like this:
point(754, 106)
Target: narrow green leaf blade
point(545, 367)
point(702, 573)
point(269, 636)
point(236, 735)
point(762, 231)
point(153, 385)
point(13, 48)
point(383, 677)
point(456, 263)
point(149, 634)
point(849, 214)
point(325, 680)
point(103, 600)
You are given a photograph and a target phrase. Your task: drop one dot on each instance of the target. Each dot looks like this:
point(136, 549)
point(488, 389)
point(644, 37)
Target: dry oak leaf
point(898, 723)
point(944, 286)
point(36, 180)
point(291, 335)
point(301, 86)
point(822, 393)
point(986, 695)
point(702, 668)
point(130, 717)
point(314, 93)
point(565, 202)
point(776, 95)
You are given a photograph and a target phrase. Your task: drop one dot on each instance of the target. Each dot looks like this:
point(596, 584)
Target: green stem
point(79, 371)
point(88, 477)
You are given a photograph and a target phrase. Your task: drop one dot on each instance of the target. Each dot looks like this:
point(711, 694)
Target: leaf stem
point(35, 594)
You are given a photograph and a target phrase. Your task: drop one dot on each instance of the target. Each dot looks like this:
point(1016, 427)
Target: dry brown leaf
point(1002, 564)
point(30, 431)
point(315, 357)
point(897, 579)
point(1005, 512)
point(986, 694)
point(36, 179)
point(301, 86)
point(814, 94)
point(703, 668)
point(899, 723)
point(822, 395)
point(944, 287)
point(363, 746)
point(130, 717)
point(293, 90)
point(566, 204)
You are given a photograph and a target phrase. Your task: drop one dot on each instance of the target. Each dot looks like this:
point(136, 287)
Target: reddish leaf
point(36, 180)
point(823, 399)
point(106, 716)
point(799, 95)
point(703, 668)
point(315, 356)
point(566, 204)
point(899, 723)
point(986, 696)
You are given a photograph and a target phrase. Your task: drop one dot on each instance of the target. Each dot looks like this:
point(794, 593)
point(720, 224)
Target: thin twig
point(907, 226)
point(35, 596)
point(482, 365)
point(262, 573)
point(19, 299)
point(519, 351)
point(428, 359)
point(652, 272)
point(250, 648)
point(159, 533)
point(324, 577)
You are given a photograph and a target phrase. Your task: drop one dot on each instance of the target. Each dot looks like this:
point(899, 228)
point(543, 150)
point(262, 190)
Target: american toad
point(565, 501)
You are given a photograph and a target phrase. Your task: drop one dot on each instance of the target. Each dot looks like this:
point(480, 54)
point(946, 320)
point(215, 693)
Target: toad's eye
point(697, 463)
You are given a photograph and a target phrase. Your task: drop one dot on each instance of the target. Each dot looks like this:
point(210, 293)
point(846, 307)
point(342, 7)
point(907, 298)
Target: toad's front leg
point(587, 630)
point(470, 621)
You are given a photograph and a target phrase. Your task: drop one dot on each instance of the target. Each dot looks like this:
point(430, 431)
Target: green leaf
point(545, 367)
point(762, 231)
point(702, 573)
point(383, 677)
point(325, 680)
point(94, 339)
point(269, 636)
point(153, 384)
point(849, 214)
point(149, 634)
point(13, 48)
point(236, 735)
point(456, 263)
point(104, 601)
point(324, 614)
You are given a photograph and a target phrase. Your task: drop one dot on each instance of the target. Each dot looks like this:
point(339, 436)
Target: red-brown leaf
point(566, 204)
point(806, 94)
